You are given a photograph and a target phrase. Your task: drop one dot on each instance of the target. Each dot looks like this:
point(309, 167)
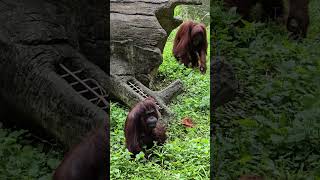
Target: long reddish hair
point(135, 124)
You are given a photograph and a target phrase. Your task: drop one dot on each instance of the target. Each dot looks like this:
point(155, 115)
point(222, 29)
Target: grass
point(272, 128)
point(186, 154)
point(22, 158)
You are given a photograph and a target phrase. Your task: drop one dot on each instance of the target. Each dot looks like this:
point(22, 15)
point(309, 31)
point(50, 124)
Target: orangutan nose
point(152, 121)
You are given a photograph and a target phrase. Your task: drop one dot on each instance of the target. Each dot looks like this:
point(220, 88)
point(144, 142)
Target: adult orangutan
point(190, 45)
point(298, 18)
point(143, 127)
point(295, 12)
point(87, 160)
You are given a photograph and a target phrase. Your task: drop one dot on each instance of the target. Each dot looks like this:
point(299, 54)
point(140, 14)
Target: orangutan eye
point(150, 111)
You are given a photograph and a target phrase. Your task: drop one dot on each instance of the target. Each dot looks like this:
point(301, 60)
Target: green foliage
point(273, 127)
point(185, 155)
point(199, 13)
point(19, 160)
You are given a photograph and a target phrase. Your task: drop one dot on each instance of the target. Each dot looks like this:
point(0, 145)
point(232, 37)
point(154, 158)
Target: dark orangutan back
point(87, 160)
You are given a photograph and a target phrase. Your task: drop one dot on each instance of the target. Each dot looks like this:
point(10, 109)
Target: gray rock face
point(139, 30)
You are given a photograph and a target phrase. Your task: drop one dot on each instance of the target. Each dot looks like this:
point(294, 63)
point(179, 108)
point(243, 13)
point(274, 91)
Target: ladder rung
point(65, 75)
point(138, 90)
point(75, 72)
point(86, 90)
point(78, 71)
point(96, 98)
point(93, 99)
point(74, 83)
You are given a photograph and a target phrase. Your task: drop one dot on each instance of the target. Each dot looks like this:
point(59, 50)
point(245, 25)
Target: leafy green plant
point(272, 127)
point(19, 160)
